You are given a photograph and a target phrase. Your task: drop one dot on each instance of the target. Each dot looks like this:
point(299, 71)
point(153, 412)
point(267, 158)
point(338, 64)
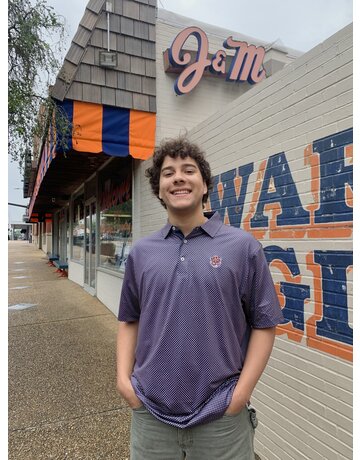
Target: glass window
point(78, 229)
point(115, 215)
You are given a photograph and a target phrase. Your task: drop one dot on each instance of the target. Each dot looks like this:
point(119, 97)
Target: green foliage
point(35, 35)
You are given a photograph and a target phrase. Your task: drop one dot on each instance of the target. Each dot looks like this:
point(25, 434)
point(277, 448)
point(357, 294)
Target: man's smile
point(181, 192)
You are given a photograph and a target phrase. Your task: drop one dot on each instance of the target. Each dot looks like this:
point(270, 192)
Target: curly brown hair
point(174, 148)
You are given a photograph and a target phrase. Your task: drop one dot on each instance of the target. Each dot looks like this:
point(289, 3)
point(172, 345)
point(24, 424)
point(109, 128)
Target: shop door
point(62, 237)
point(90, 246)
point(55, 235)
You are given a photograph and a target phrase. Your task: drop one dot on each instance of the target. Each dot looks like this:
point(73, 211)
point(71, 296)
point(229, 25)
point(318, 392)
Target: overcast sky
point(300, 25)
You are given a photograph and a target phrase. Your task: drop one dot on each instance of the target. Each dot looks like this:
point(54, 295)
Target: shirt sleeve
point(129, 307)
point(263, 303)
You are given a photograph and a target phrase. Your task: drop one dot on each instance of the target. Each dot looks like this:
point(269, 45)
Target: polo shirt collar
point(211, 226)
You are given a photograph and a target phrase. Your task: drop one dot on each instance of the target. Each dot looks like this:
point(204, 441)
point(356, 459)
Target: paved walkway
point(63, 402)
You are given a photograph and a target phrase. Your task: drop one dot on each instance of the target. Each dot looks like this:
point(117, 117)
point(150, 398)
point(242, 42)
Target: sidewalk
point(63, 402)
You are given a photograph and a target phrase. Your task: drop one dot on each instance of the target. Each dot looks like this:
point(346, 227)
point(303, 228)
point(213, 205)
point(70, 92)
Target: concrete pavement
point(63, 402)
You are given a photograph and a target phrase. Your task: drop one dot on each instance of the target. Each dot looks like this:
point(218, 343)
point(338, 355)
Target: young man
point(197, 316)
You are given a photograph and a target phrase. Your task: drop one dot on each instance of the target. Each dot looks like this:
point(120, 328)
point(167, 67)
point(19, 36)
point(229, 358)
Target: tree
point(35, 34)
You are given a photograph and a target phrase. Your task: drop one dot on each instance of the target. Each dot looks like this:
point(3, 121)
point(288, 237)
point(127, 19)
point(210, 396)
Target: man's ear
point(205, 188)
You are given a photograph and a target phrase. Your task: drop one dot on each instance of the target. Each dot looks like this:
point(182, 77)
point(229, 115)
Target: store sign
point(246, 64)
point(115, 194)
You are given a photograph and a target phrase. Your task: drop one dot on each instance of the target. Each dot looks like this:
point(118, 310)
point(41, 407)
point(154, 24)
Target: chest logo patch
point(215, 261)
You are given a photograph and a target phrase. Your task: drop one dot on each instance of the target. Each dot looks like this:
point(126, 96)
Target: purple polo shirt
point(196, 300)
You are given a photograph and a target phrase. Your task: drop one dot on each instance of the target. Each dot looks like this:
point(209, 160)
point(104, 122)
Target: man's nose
point(178, 177)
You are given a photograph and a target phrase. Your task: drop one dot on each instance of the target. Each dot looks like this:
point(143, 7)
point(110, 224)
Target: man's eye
point(190, 171)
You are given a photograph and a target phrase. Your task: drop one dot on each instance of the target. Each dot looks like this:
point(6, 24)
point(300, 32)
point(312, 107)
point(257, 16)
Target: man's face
point(181, 185)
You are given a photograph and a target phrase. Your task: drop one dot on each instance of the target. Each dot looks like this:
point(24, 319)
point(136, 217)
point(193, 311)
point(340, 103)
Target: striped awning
point(97, 128)
point(115, 131)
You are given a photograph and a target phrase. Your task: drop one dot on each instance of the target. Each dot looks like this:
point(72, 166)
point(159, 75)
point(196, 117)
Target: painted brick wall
point(282, 159)
point(281, 156)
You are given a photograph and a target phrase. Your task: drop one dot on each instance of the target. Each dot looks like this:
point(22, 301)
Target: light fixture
point(108, 58)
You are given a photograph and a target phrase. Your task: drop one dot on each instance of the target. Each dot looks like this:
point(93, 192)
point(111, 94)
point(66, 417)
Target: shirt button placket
point(183, 256)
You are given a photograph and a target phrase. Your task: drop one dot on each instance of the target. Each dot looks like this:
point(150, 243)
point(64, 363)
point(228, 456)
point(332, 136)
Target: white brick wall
point(304, 398)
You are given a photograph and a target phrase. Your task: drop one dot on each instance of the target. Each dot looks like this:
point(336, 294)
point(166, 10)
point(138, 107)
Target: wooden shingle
point(120, 43)
point(123, 62)
point(102, 22)
point(75, 53)
point(131, 9)
point(89, 55)
point(83, 73)
point(97, 38)
point(82, 36)
point(123, 99)
point(96, 5)
point(67, 71)
point(121, 80)
point(148, 49)
point(114, 23)
point(107, 96)
point(149, 86)
point(59, 89)
point(133, 46)
point(150, 67)
point(147, 14)
point(97, 76)
point(111, 80)
point(91, 93)
point(152, 33)
point(152, 104)
point(141, 30)
point(137, 65)
point(133, 83)
point(127, 26)
point(141, 102)
point(118, 7)
point(75, 91)
point(89, 20)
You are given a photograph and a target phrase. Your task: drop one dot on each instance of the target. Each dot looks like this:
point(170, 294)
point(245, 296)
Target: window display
point(78, 229)
point(115, 215)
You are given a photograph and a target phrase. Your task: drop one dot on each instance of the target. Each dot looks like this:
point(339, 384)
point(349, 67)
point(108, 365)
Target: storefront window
point(78, 229)
point(115, 216)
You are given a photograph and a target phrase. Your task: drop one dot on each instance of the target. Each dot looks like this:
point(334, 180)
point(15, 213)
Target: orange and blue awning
point(96, 128)
point(115, 131)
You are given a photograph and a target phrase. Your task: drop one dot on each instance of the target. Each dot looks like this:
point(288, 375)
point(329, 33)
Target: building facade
point(280, 148)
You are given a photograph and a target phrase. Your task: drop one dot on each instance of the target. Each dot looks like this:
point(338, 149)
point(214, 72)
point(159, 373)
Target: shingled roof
point(131, 84)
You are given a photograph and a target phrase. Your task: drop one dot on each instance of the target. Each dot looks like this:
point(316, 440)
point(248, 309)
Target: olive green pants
point(228, 438)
